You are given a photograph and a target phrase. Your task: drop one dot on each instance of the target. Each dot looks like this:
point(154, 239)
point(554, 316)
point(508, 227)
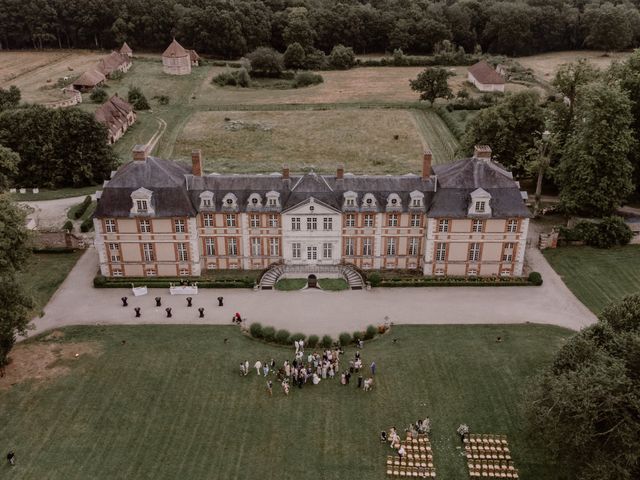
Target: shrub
point(239, 78)
point(609, 232)
point(298, 336)
point(283, 336)
point(68, 226)
point(345, 339)
point(535, 278)
point(87, 225)
point(358, 335)
point(99, 281)
point(163, 100)
point(269, 333)
point(82, 208)
point(136, 98)
point(266, 61)
point(116, 75)
point(304, 79)
point(313, 340)
point(256, 330)
point(342, 58)
point(374, 279)
point(399, 58)
point(98, 95)
point(370, 332)
point(327, 341)
point(316, 60)
point(294, 56)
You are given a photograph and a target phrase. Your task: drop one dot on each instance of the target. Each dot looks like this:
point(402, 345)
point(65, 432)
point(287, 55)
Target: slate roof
point(485, 73)
point(90, 78)
point(175, 50)
point(177, 191)
point(113, 113)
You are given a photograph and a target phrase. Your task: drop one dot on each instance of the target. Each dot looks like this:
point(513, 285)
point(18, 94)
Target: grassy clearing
point(169, 403)
point(436, 135)
point(364, 140)
point(333, 284)
point(44, 273)
point(289, 284)
point(46, 194)
point(598, 277)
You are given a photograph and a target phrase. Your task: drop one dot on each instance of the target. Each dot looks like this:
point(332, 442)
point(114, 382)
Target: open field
point(437, 136)
point(35, 73)
point(598, 277)
point(167, 402)
point(46, 194)
point(44, 273)
point(364, 140)
point(545, 65)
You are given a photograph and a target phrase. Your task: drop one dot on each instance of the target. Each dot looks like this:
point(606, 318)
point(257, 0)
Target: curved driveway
point(312, 311)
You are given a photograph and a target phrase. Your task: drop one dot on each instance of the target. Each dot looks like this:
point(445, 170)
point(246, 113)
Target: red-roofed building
point(117, 115)
point(485, 78)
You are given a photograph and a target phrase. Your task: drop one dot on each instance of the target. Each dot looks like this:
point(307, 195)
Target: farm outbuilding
point(176, 60)
point(89, 80)
point(125, 49)
point(114, 62)
point(195, 58)
point(484, 77)
point(117, 115)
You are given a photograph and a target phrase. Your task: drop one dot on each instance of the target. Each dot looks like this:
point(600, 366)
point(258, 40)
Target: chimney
point(340, 172)
point(196, 162)
point(285, 172)
point(139, 153)
point(426, 164)
point(482, 152)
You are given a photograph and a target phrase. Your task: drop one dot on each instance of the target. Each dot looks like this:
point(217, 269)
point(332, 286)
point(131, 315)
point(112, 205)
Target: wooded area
point(231, 28)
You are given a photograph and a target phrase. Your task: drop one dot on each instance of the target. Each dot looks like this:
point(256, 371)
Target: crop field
point(167, 402)
point(366, 141)
point(36, 73)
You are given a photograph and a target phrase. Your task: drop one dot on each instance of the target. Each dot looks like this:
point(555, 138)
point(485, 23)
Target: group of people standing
point(310, 369)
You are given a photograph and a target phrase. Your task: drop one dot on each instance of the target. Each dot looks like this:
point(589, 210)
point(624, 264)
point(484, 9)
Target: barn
point(485, 78)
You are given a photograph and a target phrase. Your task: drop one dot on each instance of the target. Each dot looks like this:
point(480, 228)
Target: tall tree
point(608, 27)
point(432, 83)
point(8, 167)
point(510, 127)
point(585, 408)
point(9, 98)
point(594, 174)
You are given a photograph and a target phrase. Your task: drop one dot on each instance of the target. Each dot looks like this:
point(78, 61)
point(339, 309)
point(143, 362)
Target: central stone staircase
point(273, 274)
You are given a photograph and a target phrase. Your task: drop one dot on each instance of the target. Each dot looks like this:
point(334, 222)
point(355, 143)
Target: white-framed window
point(312, 252)
point(416, 202)
point(472, 272)
point(350, 220)
point(147, 251)
point(229, 201)
point(274, 247)
point(350, 202)
point(477, 226)
point(474, 252)
point(183, 255)
point(348, 247)
point(230, 220)
point(178, 223)
point(414, 245)
point(110, 225)
point(116, 272)
point(273, 199)
point(512, 226)
point(256, 247)
point(507, 257)
point(232, 247)
point(210, 246)
point(369, 200)
point(366, 247)
point(391, 246)
point(211, 266)
point(207, 202)
point(443, 225)
point(439, 272)
point(145, 226)
point(184, 272)
point(150, 272)
point(505, 272)
point(273, 221)
point(295, 223)
point(296, 250)
point(441, 252)
point(416, 219)
point(481, 206)
point(312, 223)
point(254, 221)
point(393, 200)
point(142, 206)
point(114, 252)
point(392, 220)
point(207, 219)
point(327, 223)
point(255, 200)
point(327, 250)
point(368, 220)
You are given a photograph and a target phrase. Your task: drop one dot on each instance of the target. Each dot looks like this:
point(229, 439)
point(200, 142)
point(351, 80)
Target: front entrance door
point(312, 254)
point(312, 281)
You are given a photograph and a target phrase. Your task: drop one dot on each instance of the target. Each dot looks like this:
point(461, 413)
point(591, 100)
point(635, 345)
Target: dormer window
point(206, 200)
point(229, 201)
point(369, 201)
point(393, 201)
point(273, 199)
point(480, 206)
point(142, 206)
point(350, 199)
point(417, 199)
point(480, 203)
point(255, 200)
point(141, 202)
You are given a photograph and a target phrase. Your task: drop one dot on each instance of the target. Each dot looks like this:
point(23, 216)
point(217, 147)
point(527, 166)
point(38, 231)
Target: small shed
point(484, 77)
point(125, 49)
point(89, 80)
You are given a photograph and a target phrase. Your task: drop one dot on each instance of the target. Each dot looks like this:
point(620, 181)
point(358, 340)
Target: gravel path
point(314, 311)
point(53, 213)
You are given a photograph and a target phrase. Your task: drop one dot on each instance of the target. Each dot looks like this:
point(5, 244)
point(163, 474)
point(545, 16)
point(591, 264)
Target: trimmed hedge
point(256, 330)
point(68, 226)
point(86, 225)
point(269, 334)
point(535, 278)
point(327, 341)
point(454, 282)
point(370, 332)
point(163, 282)
point(283, 337)
point(54, 250)
point(82, 208)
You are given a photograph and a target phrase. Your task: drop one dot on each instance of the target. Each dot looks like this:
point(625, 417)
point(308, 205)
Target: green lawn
point(288, 284)
point(598, 277)
point(436, 135)
point(46, 194)
point(169, 403)
point(333, 284)
point(44, 273)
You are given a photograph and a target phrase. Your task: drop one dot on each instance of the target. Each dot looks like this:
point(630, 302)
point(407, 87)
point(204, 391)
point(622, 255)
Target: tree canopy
point(585, 408)
point(432, 83)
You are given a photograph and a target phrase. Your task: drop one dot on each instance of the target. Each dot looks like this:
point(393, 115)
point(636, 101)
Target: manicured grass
point(333, 284)
point(288, 284)
point(44, 273)
point(46, 194)
point(598, 277)
point(169, 403)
